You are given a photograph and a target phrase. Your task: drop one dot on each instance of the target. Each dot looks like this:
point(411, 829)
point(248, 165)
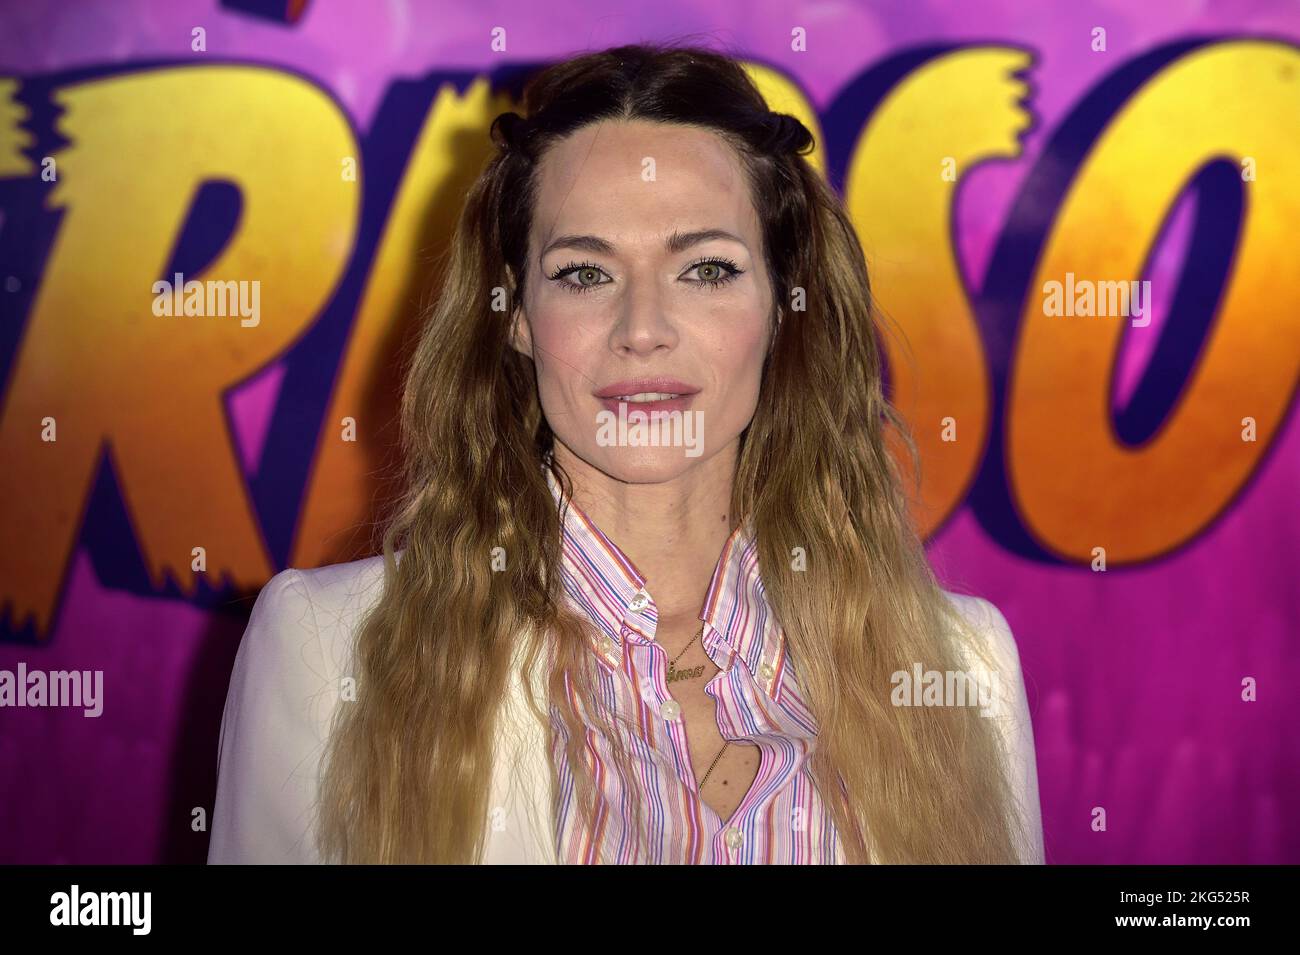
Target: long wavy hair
point(408, 765)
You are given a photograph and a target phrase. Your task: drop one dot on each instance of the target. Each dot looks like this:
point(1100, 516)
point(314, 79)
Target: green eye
point(588, 277)
point(715, 272)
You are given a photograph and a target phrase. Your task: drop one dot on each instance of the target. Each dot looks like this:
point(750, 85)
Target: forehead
point(594, 181)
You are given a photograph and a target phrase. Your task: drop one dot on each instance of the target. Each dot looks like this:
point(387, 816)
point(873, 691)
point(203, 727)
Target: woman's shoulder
point(328, 602)
point(986, 630)
point(988, 645)
point(340, 593)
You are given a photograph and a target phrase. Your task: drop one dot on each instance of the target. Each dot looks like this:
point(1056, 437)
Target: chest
point(724, 768)
point(721, 765)
point(710, 722)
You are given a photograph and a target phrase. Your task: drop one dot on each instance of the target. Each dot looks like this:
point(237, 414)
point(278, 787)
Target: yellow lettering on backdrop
point(948, 115)
point(150, 388)
point(13, 138)
point(348, 476)
point(1076, 485)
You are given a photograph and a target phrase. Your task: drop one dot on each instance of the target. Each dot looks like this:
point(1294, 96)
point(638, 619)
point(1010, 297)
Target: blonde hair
point(408, 768)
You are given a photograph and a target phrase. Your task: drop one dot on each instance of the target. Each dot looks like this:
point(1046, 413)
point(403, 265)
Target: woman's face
point(647, 306)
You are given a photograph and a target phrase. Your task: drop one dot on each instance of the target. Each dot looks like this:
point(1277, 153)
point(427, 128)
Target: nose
point(643, 327)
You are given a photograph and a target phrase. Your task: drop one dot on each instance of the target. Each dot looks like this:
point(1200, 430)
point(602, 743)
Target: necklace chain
point(698, 634)
point(671, 666)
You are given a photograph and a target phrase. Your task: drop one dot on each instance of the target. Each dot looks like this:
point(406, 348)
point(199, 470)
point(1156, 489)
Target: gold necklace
point(671, 666)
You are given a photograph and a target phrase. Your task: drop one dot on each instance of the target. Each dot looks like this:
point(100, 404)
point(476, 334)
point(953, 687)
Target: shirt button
point(639, 601)
point(670, 710)
point(735, 837)
point(767, 671)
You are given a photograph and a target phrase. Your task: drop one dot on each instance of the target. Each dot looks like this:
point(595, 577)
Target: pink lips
point(609, 395)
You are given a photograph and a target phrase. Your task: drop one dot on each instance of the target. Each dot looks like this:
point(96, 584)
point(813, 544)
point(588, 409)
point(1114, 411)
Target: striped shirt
point(782, 819)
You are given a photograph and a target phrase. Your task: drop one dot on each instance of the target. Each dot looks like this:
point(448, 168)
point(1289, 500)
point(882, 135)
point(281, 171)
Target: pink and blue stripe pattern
point(783, 818)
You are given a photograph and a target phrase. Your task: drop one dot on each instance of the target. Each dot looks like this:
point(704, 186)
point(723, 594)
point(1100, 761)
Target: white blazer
point(286, 683)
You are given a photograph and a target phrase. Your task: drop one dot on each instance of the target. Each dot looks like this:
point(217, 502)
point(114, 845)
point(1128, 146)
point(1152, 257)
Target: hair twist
point(781, 133)
point(511, 131)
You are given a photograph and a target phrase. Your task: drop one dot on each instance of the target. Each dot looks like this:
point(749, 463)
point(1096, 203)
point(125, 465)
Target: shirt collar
point(605, 584)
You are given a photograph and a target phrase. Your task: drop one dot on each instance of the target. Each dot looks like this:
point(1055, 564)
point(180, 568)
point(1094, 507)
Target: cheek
point(738, 362)
point(561, 350)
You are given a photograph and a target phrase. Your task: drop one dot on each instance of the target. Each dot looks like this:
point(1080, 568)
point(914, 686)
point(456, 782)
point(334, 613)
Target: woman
point(566, 652)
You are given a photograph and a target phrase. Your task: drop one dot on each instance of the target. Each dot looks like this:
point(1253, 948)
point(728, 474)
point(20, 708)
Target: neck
point(672, 531)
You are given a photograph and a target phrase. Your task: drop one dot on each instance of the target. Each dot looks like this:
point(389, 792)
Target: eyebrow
point(677, 242)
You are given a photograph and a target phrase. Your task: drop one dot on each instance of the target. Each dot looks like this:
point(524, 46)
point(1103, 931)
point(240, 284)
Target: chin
point(644, 465)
